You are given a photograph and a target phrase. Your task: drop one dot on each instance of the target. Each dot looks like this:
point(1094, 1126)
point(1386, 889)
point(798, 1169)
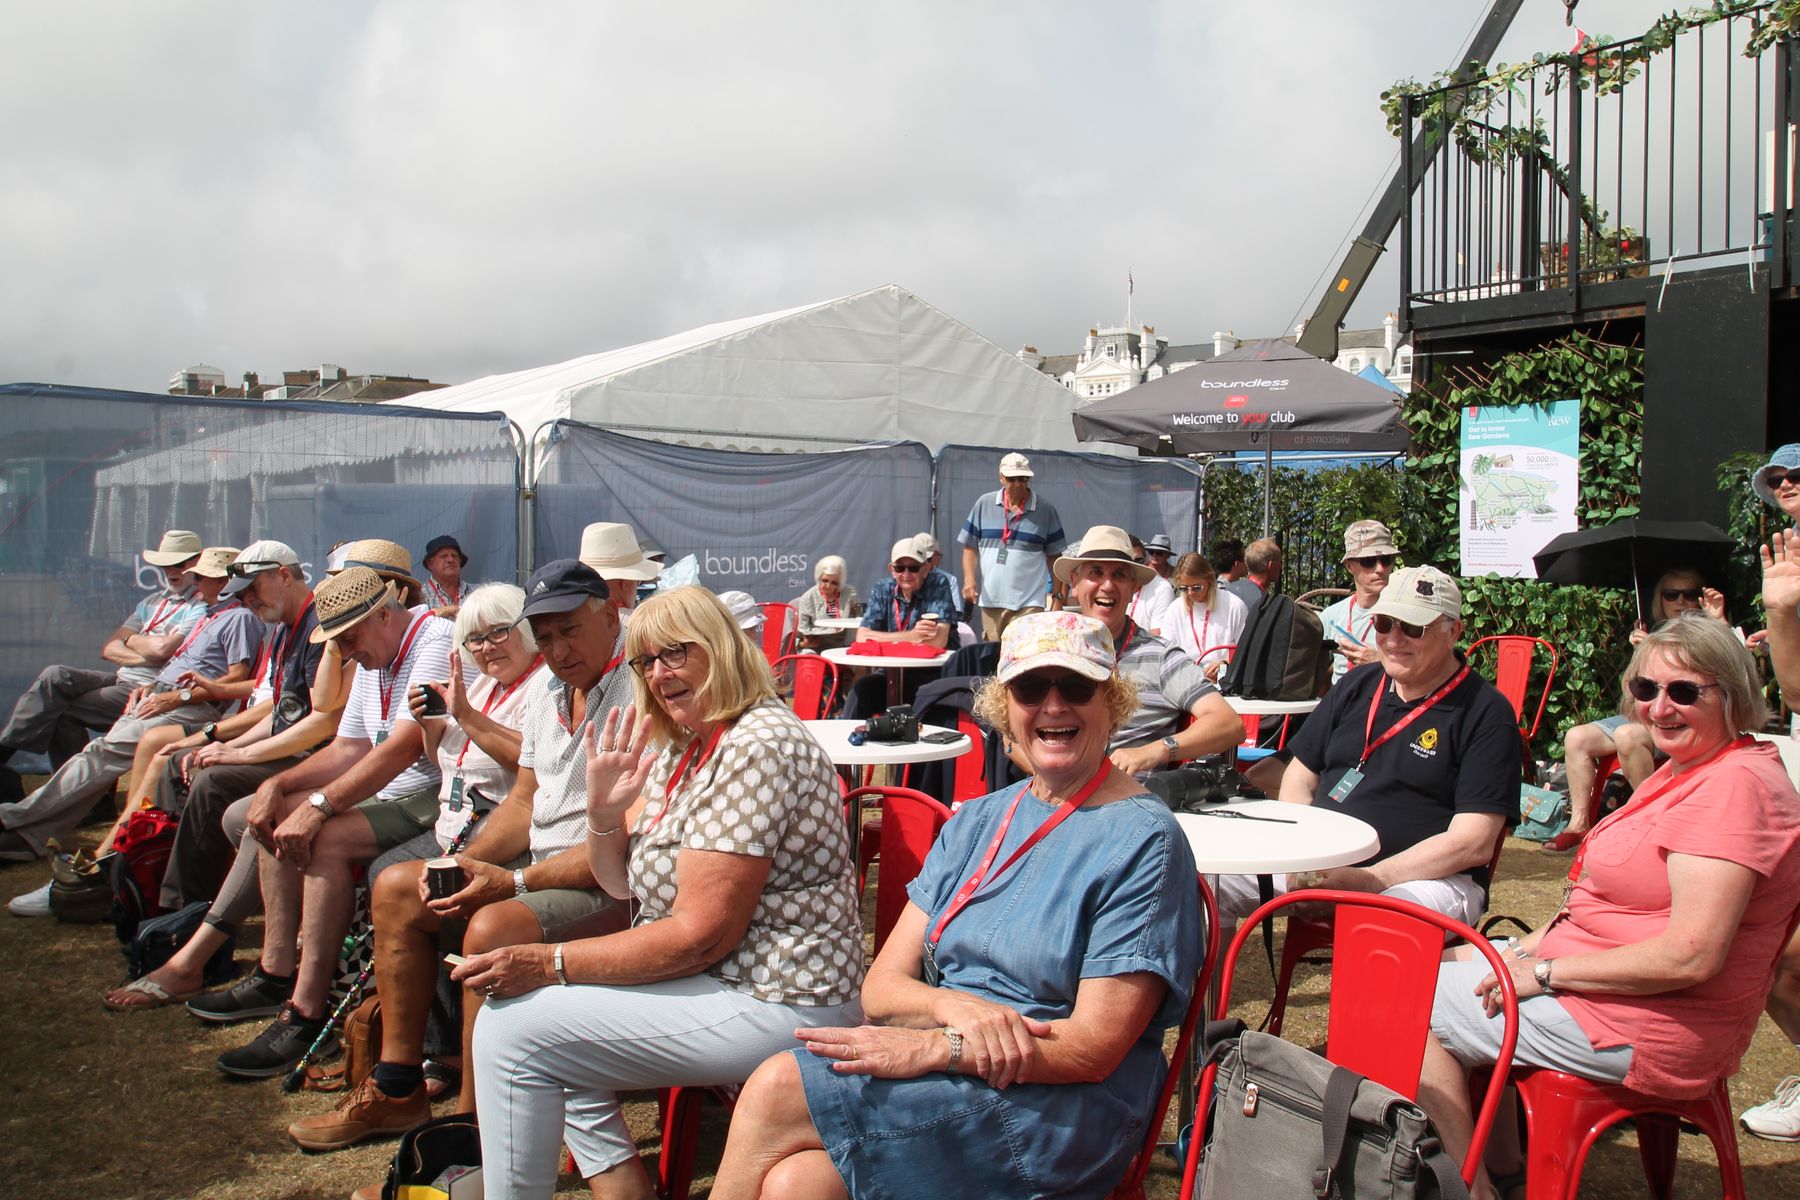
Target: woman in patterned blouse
point(711, 805)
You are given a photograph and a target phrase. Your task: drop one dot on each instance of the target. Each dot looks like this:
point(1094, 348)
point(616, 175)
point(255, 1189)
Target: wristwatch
point(519, 888)
point(211, 730)
point(318, 801)
point(1541, 973)
point(556, 965)
point(1173, 748)
point(187, 695)
point(954, 1035)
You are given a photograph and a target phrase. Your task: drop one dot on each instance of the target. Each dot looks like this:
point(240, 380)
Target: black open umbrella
point(1265, 395)
point(1625, 553)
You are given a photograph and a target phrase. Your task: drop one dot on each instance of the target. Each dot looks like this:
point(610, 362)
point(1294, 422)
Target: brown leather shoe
point(372, 1192)
point(366, 1112)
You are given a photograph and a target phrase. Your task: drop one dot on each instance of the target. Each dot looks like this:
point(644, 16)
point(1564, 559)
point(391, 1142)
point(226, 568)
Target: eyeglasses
point(674, 658)
point(906, 568)
point(1385, 624)
point(1671, 595)
point(1774, 479)
point(1033, 688)
point(496, 637)
point(1683, 692)
point(1193, 589)
point(1371, 561)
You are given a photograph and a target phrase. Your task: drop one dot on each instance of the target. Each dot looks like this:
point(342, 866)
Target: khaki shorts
point(402, 818)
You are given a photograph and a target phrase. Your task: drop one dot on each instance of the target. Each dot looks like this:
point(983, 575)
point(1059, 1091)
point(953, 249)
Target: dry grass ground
point(130, 1107)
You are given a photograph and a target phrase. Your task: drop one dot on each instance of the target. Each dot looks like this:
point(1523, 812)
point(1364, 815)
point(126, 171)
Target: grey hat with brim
point(1787, 458)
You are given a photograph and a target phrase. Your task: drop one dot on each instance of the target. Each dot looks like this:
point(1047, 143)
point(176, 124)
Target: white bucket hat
point(612, 550)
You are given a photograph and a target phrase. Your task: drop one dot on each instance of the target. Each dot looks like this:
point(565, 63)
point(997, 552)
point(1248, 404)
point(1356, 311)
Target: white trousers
point(1456, 896)
point(550, 1065)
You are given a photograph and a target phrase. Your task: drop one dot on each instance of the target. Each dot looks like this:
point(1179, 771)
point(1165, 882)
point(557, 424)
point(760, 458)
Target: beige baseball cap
point(1419, 596)
point(1016, 466)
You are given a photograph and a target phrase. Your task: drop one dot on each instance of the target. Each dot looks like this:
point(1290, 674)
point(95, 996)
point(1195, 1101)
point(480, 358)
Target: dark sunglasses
point(1774, 479)
point(1671, 595)
point(674, 658)
point(1385, 624)
point(1684, 692)
point(1370, 562)
point(903, 569)
point(1031, 689)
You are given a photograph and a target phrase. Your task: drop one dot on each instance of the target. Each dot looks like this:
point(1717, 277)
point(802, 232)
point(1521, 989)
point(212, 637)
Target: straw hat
point(612, 550)
point(177, 546)
point(215, 561)
point(1104, 543)
point(345, 599)
point(388, 560)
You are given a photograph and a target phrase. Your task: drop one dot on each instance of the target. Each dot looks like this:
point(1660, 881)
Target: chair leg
point(1658, 1135)
point(680, 1139)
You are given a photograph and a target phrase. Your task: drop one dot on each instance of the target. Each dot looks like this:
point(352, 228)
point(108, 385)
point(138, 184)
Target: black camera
point(1188, 788)
point(897, 724)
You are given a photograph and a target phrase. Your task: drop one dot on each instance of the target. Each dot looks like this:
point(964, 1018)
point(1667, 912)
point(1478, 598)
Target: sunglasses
point(1193, 589)
point(1385, 624)
point(1774, 479)
point(905, 568)
point(1671, 595)
point(1683, 692)
point(1370, 562)
point(674, 658)
point(1031, 689)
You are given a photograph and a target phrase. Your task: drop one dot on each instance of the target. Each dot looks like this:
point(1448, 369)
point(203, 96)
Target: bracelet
point(954, 1036)
point(592, 832)
point(556, 965)
point(519, 888)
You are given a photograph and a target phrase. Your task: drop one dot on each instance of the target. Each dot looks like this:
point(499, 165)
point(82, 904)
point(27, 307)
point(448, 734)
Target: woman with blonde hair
point(1205, 619)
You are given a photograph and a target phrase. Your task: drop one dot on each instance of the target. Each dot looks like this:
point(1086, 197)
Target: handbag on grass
point(1288, 1123)
point(439, 1160)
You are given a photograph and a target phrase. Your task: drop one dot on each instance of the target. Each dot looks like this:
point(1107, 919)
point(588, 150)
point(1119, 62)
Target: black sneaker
point(253, 997)
point(277, 1048)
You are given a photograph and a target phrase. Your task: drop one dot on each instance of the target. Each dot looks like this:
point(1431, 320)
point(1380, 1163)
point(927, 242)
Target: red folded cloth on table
point(895, 649)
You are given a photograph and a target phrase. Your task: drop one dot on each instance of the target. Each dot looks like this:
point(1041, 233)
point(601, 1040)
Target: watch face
point(187, 695)
point(290, 708)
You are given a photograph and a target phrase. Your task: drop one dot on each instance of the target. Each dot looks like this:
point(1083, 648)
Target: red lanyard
point(899, 627)
point(831, 606)
point(201, 628)
point(1130, 632)
point(164, 607)
point(1640, 800)
point(967, 891)
point(1199, 638)
point(495, 699)
point(681, 769)
point(1369, 747)
point(288, 637)
point(262, 666)
point(387, 693)
point(437, 590)
point(608, 669)
point(1008, 518)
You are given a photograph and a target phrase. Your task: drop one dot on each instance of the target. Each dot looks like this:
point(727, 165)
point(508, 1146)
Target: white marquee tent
point(882, 365)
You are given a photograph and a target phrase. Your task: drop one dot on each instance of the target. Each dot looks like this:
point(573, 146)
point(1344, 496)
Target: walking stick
point(353, 994)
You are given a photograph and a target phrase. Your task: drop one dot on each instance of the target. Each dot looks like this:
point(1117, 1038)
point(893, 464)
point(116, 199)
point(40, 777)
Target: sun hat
point(443, 542)
point(345, 599)
point(1015, 466)
point(1101, 543)
point(1787, 458)
point(388, 560)
point(256, 558)
point(1366, 539)
point(560, 586)
point(177, 546)
point(1056, 639)
point(1159, 544)
point(612, 550)
point(1419, 596)
point(907, 548)
point(215, 561)
point(743, 609)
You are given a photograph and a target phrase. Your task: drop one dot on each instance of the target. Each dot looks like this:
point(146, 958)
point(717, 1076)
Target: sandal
point(144, 992)
point(442, 1081)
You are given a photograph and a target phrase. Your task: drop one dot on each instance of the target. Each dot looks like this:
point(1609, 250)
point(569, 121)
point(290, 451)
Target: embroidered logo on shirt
point(1425, 745)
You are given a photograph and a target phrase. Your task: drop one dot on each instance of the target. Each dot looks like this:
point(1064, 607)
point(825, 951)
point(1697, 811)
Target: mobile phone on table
point(942, 737)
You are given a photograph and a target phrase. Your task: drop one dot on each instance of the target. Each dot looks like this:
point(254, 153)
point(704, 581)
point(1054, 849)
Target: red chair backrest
point(1385, 954)
point(971, 766)
point(1513, 656)
point(910, 822)
point(814, 681)
point(778, 618)
point(1132, 1186)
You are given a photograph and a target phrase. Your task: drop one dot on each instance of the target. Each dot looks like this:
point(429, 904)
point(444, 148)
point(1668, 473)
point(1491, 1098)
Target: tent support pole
point(1268, 487)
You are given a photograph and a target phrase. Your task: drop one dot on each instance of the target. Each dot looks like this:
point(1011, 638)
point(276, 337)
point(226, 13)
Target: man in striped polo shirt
point(1008, 541)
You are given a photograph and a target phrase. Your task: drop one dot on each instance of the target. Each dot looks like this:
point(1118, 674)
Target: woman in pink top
point(1655, 970)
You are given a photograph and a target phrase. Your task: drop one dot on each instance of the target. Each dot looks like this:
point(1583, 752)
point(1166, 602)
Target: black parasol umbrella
point(1625, 553)
point(1265, 395)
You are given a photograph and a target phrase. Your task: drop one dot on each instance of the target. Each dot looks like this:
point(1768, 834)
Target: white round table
point(1269, 708)
point(1318, 837)
point(838, 623)
point(834, 735)
point(895, 667)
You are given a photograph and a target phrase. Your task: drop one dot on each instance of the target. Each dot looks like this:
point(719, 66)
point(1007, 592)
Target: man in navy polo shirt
point(1417, 745)
point(1008, 542)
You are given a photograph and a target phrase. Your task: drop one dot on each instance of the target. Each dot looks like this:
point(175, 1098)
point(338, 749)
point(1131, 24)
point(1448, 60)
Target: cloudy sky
point(450, 190)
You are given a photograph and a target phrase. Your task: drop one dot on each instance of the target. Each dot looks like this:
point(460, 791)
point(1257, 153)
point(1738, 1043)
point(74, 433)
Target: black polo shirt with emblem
point(1461, 756)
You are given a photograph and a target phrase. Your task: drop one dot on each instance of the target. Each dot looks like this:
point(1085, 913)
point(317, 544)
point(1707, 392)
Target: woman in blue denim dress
point(1020, 1002)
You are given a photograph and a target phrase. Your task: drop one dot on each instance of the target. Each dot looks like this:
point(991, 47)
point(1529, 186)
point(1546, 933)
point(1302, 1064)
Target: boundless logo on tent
point(768, 562)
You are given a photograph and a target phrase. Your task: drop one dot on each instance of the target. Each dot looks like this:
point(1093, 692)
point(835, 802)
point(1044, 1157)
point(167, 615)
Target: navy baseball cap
point(561, 586)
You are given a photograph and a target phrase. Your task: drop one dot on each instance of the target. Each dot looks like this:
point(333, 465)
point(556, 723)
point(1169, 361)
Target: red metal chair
point(813, 681)
point(910, 822)
point(1132, 1186)
point(1387, 951)
point(1306, 936)
point(778, 626)
point(1514, 655)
